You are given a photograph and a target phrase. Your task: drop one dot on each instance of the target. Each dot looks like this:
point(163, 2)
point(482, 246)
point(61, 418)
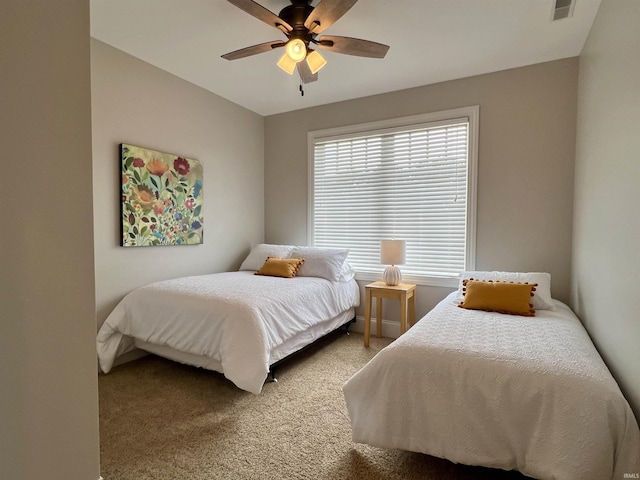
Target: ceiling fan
point(302, 23)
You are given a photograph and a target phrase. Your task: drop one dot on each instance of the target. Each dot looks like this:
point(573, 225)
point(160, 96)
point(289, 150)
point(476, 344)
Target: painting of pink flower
point(158, 208)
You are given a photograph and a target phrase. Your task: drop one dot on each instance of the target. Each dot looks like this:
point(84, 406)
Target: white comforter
point(236, 318)
point(518, 393)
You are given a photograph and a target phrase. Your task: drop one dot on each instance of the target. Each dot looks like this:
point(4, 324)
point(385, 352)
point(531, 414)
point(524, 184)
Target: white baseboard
point(390, 329)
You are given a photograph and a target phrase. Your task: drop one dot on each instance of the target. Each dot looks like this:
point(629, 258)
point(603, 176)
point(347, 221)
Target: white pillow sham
point(259, 254)
point(348, 272)
point(541, 300)
point(321, 262)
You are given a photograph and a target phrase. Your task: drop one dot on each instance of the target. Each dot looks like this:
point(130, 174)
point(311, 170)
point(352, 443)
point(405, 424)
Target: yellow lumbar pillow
point(502, 297)
point(280, 267)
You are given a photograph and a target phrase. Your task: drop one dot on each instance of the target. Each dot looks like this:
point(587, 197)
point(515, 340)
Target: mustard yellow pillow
point(502, 297)
point(280, 267)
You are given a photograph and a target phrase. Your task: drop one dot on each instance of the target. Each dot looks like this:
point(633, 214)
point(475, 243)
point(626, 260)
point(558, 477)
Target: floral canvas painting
point(161, 198)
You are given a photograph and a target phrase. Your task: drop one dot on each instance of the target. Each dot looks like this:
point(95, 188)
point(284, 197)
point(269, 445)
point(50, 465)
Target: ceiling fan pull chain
point(301, 90)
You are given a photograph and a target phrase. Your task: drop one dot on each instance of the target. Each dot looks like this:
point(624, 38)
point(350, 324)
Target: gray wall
point(49, 394)
point(134, 102)
point(525, 164)
point(606, 262)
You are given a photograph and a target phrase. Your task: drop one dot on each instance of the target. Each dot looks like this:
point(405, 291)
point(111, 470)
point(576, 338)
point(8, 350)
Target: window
point(412, 179)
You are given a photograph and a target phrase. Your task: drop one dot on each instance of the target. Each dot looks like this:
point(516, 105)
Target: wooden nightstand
point(405, 292)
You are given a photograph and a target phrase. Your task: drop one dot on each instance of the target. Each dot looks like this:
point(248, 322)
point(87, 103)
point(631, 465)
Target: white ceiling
point(431, 41)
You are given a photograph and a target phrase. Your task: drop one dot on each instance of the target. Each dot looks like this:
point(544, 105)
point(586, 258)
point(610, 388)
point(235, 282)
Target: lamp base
point(392, 275)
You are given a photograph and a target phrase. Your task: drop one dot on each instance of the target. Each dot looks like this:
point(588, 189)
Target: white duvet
point(236, 318)
point(518, 393)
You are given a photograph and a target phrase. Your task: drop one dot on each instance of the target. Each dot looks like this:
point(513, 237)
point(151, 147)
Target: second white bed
point(523, 393)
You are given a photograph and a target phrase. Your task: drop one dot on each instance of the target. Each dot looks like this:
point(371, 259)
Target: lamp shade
point(286, 64)
point(392, 252)
point(315, 61)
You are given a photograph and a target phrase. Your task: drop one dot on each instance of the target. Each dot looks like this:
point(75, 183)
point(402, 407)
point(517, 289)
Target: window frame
point(472, 113)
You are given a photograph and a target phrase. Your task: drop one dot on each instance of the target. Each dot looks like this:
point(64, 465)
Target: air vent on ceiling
point(563, 9)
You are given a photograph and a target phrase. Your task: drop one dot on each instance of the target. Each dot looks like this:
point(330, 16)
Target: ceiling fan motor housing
point(295, 15)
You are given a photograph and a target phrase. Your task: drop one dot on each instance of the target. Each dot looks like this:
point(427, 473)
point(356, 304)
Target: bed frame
point(189, 359)
point(271, 376)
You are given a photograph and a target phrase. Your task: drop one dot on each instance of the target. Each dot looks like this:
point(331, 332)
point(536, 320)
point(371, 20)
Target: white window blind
point(408, 182)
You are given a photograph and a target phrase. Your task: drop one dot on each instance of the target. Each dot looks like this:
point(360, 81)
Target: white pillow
point(321, 262)
point(347, 273)
point(259, 254)
point(542, 298)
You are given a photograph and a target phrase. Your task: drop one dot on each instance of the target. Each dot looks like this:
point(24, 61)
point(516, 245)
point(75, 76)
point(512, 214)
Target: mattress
point(503, 391)
point(234, 322)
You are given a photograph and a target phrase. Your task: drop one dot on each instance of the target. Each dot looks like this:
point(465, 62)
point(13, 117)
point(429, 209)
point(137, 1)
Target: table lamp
point(392, 253)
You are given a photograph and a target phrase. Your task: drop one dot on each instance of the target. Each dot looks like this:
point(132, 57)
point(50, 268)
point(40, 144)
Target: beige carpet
point(162, 420)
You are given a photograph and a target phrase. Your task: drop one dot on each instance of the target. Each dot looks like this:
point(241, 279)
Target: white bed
point(236, 323)
point(504, 391)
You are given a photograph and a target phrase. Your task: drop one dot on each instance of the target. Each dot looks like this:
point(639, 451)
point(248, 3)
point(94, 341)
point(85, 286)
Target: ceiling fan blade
point(261, 13)
point(326, 13)
point(253, 50)
point(352, 46)
point(305, 73)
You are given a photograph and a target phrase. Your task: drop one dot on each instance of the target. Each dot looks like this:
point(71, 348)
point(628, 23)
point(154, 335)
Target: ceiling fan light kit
point(302, 23)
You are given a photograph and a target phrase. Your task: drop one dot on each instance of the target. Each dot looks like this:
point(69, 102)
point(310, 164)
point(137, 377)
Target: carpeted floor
point(161, 420)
